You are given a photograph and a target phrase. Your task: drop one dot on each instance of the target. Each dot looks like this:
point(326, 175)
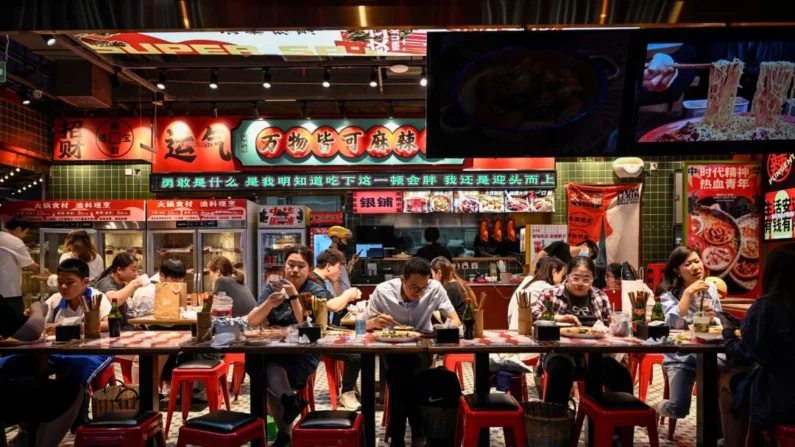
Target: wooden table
point(149, 321)
point(148, 344)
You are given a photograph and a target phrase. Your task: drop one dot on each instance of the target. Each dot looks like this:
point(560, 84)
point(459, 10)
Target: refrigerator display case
point(195, 231)
point(280, 226)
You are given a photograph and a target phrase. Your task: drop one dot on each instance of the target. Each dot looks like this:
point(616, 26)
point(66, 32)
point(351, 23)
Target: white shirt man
point(14, 257)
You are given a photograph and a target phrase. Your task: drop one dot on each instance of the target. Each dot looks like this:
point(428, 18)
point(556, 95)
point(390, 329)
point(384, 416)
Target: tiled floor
point(684, 436)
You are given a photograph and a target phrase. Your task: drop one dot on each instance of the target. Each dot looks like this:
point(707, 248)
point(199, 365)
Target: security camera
point(37, 94)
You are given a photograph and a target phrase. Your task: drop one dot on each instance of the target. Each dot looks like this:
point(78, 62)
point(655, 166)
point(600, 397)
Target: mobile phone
point(728, 320)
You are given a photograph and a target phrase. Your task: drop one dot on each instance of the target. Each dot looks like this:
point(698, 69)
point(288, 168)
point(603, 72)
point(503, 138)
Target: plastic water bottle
point(361, 325)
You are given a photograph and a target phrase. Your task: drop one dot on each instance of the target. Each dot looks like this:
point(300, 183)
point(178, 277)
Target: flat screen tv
point(715, 91)
point(522, 94)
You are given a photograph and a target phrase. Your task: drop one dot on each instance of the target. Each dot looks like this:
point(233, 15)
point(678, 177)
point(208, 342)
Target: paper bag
point(628, 287)
point(525, 321)
point(169, 297)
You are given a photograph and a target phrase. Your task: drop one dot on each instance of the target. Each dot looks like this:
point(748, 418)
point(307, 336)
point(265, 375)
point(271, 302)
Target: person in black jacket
point(433, 248)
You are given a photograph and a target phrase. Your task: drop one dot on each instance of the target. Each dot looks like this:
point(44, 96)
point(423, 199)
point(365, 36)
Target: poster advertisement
point(541, 236)
point(613, 209)
point(283, 216)
point(779, 186)
point(723, 222)
point(416, 202)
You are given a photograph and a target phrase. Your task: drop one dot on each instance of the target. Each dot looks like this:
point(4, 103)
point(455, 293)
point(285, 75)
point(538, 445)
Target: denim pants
point(680, 386)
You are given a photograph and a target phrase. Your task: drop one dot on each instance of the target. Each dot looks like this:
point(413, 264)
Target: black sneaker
point(293, 404)
point(282, 440)
point(397, 443)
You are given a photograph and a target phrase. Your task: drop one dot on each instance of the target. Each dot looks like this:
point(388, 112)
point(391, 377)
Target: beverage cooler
point(280, 226)
point(195, 231)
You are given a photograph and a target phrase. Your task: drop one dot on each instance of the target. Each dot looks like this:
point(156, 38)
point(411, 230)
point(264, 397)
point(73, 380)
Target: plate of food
point(271, 333)
point(582, 332)
point(394, 336)
point(11, 341)
point(721, 239)
point(518, 205)
point(441, 204)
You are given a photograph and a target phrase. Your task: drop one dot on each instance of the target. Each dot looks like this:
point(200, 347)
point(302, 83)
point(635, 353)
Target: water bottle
point(361, 325)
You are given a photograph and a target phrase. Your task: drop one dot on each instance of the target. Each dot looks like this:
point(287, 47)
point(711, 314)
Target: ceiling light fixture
point(214, 79)
point(266, 78)
point(49, 39)
point(327, 78)
point(11, 173)
point(374, 77)
point(35, 182)
point(26, 97)
point(424, 77)
point(254, 110)
point(390, 109)
point(214, 110)
point(162, 80)
point(17, 169)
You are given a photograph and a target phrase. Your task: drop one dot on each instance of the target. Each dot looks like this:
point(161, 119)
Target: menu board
point(530, 201)
point(441, 202)
point(473, 202)
point(479, 201)
point(416, 201)
point(74, 210)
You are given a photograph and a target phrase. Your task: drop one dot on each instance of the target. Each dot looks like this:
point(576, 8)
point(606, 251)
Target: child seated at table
point(66, 307)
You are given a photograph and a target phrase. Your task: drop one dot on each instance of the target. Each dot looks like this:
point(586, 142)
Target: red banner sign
point(283, 216)
point(723, 224)
point(75, 210)
point(377, 202)
point(195, 144)
point(325, 218)
point(102, 139)
point(195, 209)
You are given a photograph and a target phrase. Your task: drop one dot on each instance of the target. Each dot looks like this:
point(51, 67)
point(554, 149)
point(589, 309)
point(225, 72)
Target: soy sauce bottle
point(114, 320)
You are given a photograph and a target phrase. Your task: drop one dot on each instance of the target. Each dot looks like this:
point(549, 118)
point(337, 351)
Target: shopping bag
point(169, 297)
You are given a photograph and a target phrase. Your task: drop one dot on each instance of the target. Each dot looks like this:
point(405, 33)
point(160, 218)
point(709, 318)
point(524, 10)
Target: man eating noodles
point(409, 300)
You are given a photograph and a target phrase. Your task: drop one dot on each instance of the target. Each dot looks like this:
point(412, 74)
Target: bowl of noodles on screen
point(726, 116)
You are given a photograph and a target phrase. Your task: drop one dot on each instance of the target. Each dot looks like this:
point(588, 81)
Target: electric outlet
point(128, 171)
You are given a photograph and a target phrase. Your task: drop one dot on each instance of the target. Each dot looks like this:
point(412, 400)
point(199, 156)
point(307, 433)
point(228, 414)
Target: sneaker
point(293, 404)
point(349, 401)
point(282, 440)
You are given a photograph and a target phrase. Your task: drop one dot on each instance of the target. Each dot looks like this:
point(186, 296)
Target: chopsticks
point(635, 296)
point(396, 324)
point(524, 299)
point(687, 66)
point(479, 304)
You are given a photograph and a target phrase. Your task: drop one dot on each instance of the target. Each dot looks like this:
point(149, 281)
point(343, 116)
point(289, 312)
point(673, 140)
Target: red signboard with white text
point(75, 210)
point(102, 139)
point(377, 202)
point(195, 209)
point(195, 144)
point(325, 218)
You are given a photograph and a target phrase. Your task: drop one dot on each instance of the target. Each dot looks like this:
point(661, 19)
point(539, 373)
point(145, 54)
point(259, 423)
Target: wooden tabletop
point(146, 321)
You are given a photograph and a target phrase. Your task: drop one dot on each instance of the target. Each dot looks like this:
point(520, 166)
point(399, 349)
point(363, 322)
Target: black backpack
point(438, 387)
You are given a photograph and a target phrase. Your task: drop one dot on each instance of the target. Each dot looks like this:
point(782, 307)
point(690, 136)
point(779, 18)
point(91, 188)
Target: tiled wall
point(24, 127)
point(98, 181)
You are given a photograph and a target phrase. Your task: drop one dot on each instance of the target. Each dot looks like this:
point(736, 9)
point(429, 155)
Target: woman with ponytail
point(120, 280)
point(232, 281)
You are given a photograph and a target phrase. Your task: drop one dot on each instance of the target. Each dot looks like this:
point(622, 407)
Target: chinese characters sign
point(325, 218)
point(724, 224)
point(541, 236)
point(779, 194)
point(194, 144)
point(101, 139)
point(377, 202)
point(333, 143)
point(75, 210)
point(195, 210)
point(357, 180)
point(283, 216)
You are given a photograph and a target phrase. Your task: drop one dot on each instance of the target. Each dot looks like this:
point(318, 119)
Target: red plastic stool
point(122, 428)
point(454, 362)
point(223, 429)
point(654, 275)
point(644, 364)
point(476, 411)
point(615, 410)
point(238, 361)
point(339, 428)
point(783, 436)
point(385, 417)
point(211, 372)
point(126, 369)
point(334, 370)
point(308, 394)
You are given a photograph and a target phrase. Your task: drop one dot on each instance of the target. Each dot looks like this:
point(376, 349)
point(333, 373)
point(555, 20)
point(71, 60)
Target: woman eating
point(457, 290)
point(279, 306)
point(231, 281)
point(577, 302)
point(120, 280)
point(682, 292)
point(549, 272)
point(79, 245)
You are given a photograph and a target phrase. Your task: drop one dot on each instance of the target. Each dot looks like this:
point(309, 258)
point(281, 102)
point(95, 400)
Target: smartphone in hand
point(728, 320)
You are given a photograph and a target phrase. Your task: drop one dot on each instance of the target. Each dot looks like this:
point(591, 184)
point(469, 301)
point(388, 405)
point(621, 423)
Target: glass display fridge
point(280, 226)
point(122, 231)
point(195, 231)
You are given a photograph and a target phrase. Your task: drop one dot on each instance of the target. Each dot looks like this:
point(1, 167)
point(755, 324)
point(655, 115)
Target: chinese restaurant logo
point(114, 138)
point(282, 216)
point(779, 167)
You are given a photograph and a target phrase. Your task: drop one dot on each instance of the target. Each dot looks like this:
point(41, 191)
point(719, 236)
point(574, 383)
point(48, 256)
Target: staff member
point(15, 257)
point(339, 241)
point(433, 249)
point(566, 252)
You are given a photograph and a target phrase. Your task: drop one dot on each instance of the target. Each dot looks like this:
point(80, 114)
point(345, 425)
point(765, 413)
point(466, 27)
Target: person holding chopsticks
point(74, 297)
point(550, 272)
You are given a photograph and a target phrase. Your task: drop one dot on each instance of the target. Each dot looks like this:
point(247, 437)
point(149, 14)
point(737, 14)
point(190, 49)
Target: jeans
point(353, 365)
point(680, 386)
point(401, 376)
point(560, 376)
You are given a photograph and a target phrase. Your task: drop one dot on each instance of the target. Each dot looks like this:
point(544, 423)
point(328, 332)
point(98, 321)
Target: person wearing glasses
point(578, 302)
point(410, 300)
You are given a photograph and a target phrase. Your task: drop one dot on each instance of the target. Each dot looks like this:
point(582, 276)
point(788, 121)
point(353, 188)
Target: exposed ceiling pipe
point(99, 61)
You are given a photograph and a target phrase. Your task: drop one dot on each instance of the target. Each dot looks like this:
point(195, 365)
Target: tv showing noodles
point(718, 86)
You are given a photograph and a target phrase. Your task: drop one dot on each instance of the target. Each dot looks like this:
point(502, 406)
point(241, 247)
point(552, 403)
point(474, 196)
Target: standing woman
point(550, 272)
point(233, 282)
point(681, 291)
point(573, 299)
point(457, 289)
point(79, 245)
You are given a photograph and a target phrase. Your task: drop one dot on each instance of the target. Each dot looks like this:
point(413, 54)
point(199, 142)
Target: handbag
point(169, 297)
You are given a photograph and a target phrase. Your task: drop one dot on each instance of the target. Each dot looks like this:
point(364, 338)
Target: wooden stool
point(223, 429)
point(476, 411)
point(338, 428)
point(615, 410)
point(211, 372)
point(122, 428)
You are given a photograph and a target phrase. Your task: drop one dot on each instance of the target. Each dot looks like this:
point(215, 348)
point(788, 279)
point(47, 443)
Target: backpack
point(438, 387)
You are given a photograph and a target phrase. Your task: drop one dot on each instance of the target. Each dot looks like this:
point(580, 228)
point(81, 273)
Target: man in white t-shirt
point(14, 257)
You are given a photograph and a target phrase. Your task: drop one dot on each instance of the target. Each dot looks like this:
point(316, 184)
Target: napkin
point(304, 340)
point(600, 326)
point(223, 340)
point(655, 341)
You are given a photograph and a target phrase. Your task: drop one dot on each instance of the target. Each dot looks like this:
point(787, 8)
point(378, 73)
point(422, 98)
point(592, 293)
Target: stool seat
point(121, 419)
point(199, 364)
point(221, 421)
point(491, 402)
point(329, 419)
point(619, 401)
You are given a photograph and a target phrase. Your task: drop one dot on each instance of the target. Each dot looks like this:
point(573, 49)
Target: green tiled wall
point(99, 181)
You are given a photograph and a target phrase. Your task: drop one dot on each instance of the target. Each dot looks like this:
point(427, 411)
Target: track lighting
point(214, 79)
point(266, 78)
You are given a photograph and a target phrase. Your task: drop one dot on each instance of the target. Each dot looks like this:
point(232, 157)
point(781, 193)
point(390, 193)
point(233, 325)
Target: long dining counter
point(149, 344)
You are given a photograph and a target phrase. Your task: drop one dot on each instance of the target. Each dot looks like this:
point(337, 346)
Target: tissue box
point(311, 332)
point(67, 333)
point(643, 331)
point(546, 333)
point(446, 335)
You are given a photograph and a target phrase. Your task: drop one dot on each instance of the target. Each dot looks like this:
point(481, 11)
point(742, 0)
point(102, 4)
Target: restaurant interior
point(188, 131)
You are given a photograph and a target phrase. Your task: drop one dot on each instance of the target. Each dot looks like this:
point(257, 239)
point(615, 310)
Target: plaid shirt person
point(560, 303)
